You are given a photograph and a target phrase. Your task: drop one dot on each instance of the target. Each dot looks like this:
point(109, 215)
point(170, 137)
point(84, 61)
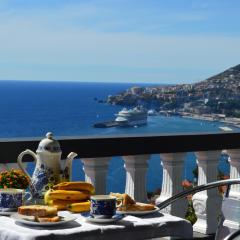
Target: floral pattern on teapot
point(43, 180)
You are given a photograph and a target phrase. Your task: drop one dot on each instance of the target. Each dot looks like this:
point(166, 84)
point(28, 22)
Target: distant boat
point(226, 129)
point(132, 117)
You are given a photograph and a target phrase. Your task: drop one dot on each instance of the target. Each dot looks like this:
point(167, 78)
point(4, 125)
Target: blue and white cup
point(103, 206)
point(11, 199)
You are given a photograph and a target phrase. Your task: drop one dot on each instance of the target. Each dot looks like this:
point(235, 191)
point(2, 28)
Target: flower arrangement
point(13, 178)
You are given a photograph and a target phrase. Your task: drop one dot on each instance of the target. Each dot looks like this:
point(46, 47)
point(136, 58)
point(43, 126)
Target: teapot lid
point(49, 144)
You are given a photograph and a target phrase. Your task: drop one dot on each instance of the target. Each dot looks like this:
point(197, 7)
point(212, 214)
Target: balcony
point(96, 153)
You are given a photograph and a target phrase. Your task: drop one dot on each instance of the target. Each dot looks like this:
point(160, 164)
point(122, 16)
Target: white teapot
point(48, 171)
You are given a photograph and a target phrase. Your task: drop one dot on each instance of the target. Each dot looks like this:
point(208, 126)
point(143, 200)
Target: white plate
point(115, 218)
point(23, 219)
point(156, 209)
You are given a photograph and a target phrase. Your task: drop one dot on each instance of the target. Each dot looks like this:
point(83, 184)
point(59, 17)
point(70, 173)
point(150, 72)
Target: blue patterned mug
point(103, 206)
point(11, 198)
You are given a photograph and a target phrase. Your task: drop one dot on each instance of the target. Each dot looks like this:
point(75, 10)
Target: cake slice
point(38, 211)
point(48, 219)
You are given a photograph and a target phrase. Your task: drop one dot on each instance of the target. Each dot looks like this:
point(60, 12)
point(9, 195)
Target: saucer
point(113, 219)
point(7, 212)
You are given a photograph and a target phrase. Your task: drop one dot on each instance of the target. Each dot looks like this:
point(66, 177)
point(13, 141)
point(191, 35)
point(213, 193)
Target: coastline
point(234, 122)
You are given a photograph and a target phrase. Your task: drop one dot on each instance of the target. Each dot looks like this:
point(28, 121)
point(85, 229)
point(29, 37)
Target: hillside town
point(215, 98)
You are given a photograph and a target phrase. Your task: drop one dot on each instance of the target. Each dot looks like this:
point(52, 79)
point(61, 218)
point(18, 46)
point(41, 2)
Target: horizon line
point(79, 81)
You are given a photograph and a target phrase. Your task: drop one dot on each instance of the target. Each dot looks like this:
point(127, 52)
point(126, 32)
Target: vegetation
point(190, 214)
point(13, 179)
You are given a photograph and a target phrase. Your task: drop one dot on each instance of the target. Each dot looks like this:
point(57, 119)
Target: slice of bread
point(38, 211)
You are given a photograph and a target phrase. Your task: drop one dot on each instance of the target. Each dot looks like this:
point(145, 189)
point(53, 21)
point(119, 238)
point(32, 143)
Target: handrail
point(233, 236)
point(197, 189)
point(122, 145)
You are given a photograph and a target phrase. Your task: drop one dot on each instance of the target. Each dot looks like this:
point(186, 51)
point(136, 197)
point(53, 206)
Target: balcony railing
point(96, 152)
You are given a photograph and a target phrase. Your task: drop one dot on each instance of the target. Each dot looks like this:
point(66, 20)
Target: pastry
point(126, 203)
point(136, 207)
point(123, 198)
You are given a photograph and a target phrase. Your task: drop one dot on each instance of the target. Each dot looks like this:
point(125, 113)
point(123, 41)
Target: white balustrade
point(9, 166)
point(207, 204)
point(173, 164)
point(96, 172)
point(136, 168)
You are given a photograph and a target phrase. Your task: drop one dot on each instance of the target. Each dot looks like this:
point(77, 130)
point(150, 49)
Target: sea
point(33, 108)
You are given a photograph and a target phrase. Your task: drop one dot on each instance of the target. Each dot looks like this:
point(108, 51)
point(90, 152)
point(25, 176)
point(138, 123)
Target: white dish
point(115, 218)
point(29, 220)
point(156, 209)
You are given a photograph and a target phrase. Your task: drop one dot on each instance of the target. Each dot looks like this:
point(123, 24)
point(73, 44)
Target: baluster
point(3, 167)
point(234, 161)
point(136, 168)
point(9, 166)
point(172, 164)
point(96, 172)
point(230, 207)
point(207, 204)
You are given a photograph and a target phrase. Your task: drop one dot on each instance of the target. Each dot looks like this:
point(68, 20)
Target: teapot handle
point(68, 166)
point(20, 163)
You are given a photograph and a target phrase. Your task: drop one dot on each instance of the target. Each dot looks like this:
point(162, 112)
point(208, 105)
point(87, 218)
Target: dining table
point(147, 226)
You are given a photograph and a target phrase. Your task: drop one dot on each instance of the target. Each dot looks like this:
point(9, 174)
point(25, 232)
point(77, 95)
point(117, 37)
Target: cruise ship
point(132, 117)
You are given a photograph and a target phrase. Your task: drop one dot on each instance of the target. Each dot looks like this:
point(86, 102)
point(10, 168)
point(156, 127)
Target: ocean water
point(30, 109)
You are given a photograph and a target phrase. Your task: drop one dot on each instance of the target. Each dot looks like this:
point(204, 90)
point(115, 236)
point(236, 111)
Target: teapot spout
point(67, 172)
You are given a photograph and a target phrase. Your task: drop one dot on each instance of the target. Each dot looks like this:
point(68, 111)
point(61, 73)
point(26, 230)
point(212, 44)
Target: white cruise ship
point(132, 117)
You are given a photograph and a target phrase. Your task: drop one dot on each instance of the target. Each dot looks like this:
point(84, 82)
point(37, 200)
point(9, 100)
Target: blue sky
point(160, 41)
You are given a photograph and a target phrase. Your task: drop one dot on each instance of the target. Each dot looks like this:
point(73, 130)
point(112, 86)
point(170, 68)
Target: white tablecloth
point(130, 227)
